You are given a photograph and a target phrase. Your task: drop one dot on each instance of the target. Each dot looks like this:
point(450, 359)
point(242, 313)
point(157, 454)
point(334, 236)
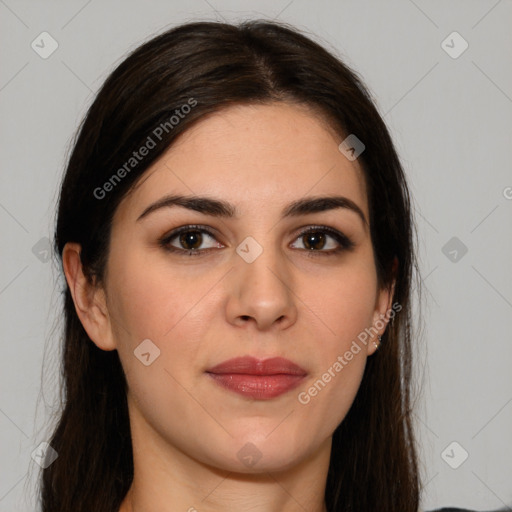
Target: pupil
point(314, 238)
point(189, 238)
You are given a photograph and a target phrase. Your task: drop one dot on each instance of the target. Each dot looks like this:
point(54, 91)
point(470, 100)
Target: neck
point(259, 500)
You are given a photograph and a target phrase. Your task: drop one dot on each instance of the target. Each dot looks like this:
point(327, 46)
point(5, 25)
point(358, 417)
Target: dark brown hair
point(373, 461)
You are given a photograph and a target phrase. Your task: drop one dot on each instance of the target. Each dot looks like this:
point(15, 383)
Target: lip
point(258, 379)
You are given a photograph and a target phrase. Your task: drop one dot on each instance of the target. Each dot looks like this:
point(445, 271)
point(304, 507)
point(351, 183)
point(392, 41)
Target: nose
point(261, 292)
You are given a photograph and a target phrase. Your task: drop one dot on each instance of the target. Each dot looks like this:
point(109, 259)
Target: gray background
point(451, 119)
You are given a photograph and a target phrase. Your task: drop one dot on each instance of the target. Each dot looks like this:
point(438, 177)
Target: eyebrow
point(223, 209)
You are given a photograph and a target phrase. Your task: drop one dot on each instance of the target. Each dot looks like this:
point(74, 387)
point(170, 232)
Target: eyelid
point(342, 239)
point(345, 243)
point(165, 240)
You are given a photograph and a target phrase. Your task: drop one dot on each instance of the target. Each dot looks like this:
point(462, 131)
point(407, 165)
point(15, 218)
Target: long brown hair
point(374, 459)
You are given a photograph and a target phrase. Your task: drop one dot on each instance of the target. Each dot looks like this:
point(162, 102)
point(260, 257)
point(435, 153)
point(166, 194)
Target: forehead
point(253, 156)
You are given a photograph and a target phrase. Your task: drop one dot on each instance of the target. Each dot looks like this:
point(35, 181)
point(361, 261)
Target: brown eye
point(316, 239)
point(189, 241)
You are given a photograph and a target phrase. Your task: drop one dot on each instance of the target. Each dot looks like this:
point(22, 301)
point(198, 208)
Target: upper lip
point(248, 365)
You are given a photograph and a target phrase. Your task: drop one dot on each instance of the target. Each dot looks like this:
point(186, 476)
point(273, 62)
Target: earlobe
point(383, 311)
point(380, 320)
point(89, 299)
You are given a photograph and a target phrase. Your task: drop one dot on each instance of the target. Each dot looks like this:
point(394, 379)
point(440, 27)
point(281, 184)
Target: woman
point(236, 236)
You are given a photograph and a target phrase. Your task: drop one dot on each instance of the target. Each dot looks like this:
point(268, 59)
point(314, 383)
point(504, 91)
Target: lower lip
point(258, 387)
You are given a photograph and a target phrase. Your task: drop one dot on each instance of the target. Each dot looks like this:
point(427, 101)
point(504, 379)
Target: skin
point(202, 310)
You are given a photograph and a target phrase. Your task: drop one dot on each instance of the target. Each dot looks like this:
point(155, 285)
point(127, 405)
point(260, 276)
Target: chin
point(267, 453)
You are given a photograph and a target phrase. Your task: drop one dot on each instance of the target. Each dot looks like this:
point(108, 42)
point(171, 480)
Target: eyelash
point(345, 242)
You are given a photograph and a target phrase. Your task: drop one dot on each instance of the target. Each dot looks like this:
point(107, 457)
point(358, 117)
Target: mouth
point(258, 379)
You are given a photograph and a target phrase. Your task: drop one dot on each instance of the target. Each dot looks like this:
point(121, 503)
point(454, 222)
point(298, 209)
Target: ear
point(383, 308)
point(90, 301)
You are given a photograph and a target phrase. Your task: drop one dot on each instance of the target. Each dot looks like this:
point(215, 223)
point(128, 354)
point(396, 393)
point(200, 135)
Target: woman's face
point(255, 285)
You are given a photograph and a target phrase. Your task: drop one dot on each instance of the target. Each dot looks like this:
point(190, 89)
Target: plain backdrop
point(449, 109)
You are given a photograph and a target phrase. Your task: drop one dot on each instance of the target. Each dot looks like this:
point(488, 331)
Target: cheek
point(345, 303)
point(153, 300)
point(169, 308)
point(174, 310)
